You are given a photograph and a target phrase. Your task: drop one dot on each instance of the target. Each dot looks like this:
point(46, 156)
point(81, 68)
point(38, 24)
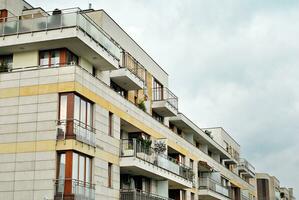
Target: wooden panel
point(70, 115)
point(68, 172)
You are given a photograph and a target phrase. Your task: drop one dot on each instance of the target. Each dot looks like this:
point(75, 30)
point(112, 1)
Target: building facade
point(86, 113)
point(268, 188)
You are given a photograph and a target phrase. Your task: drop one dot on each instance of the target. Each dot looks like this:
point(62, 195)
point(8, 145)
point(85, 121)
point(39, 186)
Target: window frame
point(70, 113)
point(68, 171)
point(64, 55)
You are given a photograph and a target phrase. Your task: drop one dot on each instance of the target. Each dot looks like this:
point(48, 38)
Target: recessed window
point(157, 117)
point(110, 175)
point(74, 173)
point(5, 63)
point(110, 131)
point(57, 57)
point(3, 15)
point(119, 90)
point(157, 90)
point(75, 117)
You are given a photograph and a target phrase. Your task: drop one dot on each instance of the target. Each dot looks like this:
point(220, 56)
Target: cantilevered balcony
point(131, 75)
point(140, 195)
point(165, 103)
point(141, 160)
point(74, 129)
point(69, 28)
point(79, 190)
point(211, 189)
point(246, 169)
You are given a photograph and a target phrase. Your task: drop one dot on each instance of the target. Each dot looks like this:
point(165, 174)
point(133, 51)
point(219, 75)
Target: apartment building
point(86, 113)
point(268, 188)
point(287, 193)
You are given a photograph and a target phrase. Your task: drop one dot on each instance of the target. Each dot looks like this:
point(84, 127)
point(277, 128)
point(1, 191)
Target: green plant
point(160, 147)
point(145, 144)
point(141, 105)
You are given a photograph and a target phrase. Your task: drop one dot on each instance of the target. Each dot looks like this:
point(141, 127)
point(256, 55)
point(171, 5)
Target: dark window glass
point(119, 89)
point(5, 63)
point(110, 124)
point(110, 175)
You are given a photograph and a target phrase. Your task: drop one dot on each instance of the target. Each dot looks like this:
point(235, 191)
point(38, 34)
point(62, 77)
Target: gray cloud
point(232, 64)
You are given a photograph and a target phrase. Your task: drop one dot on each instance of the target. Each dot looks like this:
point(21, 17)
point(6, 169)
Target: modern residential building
point(268, 188)
point(286, 193)
point(86, 113)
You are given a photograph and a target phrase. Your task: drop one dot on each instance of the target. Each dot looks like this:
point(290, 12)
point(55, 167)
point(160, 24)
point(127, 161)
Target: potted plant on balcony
point(160, 147)
point(142, 106)
point(144, 147)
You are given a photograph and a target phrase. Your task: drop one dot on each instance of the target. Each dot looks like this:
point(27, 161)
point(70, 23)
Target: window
point(158, 117)
point(171, 126)
point(110, 131)
point(75, 113)
point(157, 90)
point(3, 15)
point(110, 175)
point(75, 107)
point(81, 168)
point(74, 172)
point(179, 132)
point(56, 57)
point(119, 90)
point(5, 63)
point(94, 71)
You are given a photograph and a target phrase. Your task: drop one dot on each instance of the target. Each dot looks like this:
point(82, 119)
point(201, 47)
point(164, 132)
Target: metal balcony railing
point(130, 63)
point(210, 184)
point(140, 195)
point(80, 190)
point(72, 128)
point(134, 148)
point(58, 20)
point(244, 163)
point(164, 94)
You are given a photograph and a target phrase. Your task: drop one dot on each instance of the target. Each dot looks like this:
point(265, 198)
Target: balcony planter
point(142, 106)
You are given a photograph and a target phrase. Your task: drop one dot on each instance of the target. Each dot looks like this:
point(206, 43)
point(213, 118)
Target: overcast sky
point(231, 63)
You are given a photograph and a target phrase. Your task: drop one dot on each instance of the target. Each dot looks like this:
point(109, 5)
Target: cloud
point(232, 64)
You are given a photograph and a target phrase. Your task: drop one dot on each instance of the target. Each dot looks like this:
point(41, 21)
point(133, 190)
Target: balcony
point(69, 28)
point(140, 195)
point(165, 103)
point(211, 189)
point(80, 190)
point(74, 129)
point(245, 168)
point(138, 159)
point(131, 75)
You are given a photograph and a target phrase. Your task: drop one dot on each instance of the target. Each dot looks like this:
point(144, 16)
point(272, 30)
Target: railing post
point(134, 147)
